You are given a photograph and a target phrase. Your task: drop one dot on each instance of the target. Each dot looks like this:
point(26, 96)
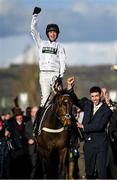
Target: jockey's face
point(52, 35)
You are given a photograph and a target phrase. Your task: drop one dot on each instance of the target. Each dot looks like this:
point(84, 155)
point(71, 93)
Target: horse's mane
point(55, 97)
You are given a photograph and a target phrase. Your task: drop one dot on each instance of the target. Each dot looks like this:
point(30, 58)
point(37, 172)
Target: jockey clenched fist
point(36, 10)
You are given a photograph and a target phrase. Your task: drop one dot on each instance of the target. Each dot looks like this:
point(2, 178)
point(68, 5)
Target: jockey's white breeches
point(46, 80)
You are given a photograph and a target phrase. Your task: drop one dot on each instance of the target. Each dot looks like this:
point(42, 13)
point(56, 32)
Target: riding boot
point(37, 120)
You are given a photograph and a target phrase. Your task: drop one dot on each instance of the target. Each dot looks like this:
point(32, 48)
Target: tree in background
point(28, 82)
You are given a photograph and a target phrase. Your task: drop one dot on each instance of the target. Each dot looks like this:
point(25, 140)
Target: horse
point(53, 140)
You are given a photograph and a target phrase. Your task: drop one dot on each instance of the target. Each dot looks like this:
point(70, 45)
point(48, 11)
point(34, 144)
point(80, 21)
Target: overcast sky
point(79, 20)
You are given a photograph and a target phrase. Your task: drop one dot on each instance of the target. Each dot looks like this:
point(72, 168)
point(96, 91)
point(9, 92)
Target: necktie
point(95, 109)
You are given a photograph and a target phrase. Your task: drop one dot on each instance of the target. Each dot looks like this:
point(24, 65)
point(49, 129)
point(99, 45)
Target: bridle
point(65, 115)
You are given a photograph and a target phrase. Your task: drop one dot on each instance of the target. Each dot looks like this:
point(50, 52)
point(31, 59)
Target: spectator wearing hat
point(16, 127)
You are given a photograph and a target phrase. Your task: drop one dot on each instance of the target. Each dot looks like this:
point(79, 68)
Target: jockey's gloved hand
point(36, 10)
point(59, 81)
point(58, 84)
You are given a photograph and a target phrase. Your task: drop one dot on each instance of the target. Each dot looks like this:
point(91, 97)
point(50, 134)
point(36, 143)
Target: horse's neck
point(51, 119)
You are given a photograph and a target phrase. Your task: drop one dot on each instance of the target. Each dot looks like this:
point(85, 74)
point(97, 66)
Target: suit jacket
point(94, 125)
point(29, 135)
point(29, 129)
point(17, 133)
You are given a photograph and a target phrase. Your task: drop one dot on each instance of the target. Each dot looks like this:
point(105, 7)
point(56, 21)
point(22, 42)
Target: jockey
point(51, 56)
point(56, 87)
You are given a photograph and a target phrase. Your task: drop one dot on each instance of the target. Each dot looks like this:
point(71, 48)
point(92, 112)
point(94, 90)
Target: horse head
point(63, 108)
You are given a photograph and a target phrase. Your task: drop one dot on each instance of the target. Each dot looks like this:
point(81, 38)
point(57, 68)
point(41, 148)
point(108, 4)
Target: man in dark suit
point(95, 120)
point(32, 152)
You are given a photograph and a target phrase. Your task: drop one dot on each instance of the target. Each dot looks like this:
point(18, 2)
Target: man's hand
point(36, 10)
point(105, 94)
point(31, 141)
point(79, 125)
point(70, 82)
point(104, 91)
point(7, 133)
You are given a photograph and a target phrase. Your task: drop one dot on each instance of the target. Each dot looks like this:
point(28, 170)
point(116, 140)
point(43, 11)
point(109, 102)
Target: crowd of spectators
point(19, 158)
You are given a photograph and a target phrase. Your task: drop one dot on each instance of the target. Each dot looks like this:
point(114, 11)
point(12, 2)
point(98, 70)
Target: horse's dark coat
point(53, 146)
